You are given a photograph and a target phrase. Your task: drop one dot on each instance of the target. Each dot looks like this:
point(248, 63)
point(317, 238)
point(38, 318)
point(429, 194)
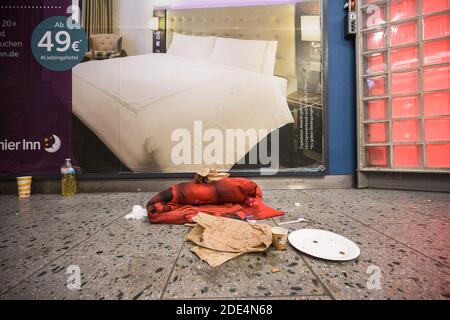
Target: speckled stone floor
point(404, 239)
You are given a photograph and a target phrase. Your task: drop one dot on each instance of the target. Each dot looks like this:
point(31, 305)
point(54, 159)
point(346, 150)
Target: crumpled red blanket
point(238, 198)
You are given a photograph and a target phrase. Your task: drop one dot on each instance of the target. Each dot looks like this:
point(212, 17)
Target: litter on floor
point(402, 236)
point(218, 240)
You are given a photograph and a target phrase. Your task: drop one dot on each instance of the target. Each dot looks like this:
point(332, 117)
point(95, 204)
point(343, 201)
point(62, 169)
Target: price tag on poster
point(59, 43)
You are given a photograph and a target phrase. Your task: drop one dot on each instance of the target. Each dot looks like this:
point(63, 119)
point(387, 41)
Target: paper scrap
point(190, 224)
point(138, 213)
point(291, 222)
point(220, 239)
point(276, 269)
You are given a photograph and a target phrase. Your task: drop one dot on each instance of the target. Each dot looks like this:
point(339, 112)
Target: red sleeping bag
point(230, 197)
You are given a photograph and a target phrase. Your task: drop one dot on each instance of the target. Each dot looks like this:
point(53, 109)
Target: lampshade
point(153, 24)
point(311, 28)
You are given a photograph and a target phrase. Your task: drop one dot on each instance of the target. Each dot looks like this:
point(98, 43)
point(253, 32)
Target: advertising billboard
point(163, 87)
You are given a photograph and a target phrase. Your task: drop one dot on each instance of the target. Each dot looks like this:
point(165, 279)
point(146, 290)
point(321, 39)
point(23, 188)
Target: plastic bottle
point(68, 179)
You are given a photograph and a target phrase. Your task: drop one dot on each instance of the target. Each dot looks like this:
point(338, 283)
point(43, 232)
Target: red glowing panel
point(437, 129)
point(404, 58)
point(437, 103)
point(403, 33)
point(403, 9)
point(376, 109)
point(407, 156)
point(376, 86)
point(405, 107)
point(377, 156)
point(374, 16)
point(406, 130)
point(376, 63)
point(438, 155)
point(436, 26)
point(375, 40)
point(436, 52)
point(436, 78)
point(376, 132)
point(406, 82)
point(429, 6)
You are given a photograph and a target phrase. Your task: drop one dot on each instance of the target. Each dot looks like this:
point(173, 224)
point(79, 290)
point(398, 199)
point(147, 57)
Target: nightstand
point(159, 42)
point(159, 36)
point(306, 108)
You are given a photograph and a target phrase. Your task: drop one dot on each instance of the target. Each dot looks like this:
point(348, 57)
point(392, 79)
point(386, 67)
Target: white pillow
point(194, 47)
point(269, 65)
point(253, 55)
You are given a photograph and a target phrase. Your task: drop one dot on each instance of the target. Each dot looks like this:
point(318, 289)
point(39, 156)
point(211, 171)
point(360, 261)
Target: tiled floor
point(403, 235)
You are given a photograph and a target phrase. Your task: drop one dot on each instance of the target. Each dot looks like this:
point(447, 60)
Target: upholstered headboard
point(271, 22)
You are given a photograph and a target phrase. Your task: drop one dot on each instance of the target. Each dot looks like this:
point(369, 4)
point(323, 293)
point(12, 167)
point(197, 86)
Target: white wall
point(215, 3)
point(131, 18)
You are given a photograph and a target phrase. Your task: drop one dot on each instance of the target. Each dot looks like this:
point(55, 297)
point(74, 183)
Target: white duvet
point(135, 104)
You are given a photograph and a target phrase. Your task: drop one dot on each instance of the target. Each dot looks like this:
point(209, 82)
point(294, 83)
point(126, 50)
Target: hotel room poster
point(225, 85)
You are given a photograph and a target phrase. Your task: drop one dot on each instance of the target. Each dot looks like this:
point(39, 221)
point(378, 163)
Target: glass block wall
point(404, 85)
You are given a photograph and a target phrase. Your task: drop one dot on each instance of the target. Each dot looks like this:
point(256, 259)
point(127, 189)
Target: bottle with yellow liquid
point(68, 179)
